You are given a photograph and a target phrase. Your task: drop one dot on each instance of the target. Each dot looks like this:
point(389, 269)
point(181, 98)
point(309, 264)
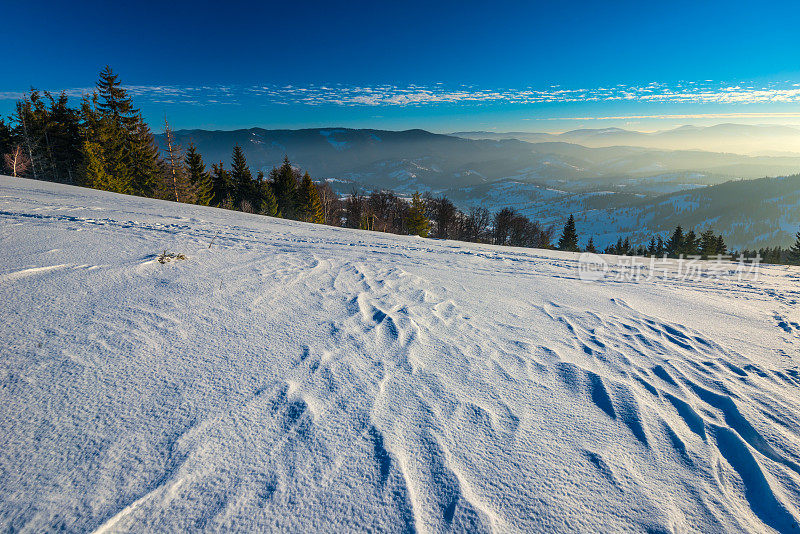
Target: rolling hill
point(298, 377)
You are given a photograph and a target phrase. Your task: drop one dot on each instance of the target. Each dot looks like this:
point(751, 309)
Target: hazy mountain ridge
point(417, 159)
point(617, 190)
point(728, 138)
point(749, 213)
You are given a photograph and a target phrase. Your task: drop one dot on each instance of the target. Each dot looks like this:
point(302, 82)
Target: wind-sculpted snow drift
point(305, 378)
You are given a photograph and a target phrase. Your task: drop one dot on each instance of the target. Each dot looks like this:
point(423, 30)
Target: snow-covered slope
point(299, 378)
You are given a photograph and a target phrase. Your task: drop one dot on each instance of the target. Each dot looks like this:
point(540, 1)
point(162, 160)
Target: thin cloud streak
point(430, 95)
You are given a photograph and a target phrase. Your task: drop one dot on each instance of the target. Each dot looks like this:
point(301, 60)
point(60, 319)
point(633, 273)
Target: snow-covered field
point(305, 378)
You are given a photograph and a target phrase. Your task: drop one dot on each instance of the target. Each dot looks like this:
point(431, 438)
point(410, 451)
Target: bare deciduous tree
point(16, 161)
point(174, 157)
point(182, 188)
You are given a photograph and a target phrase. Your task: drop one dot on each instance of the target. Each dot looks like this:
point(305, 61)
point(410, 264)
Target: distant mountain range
point(545, 179)
point(750, 213)
point(419, 160)
point(748, 139)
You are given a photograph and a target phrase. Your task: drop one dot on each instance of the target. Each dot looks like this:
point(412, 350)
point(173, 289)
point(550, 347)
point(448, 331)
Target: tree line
point(106, 144)
point(681, 243)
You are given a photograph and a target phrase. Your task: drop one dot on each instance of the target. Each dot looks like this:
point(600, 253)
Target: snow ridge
point(298, 377)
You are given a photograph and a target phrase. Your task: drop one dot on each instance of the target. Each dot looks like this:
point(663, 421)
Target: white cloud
point(691, 92)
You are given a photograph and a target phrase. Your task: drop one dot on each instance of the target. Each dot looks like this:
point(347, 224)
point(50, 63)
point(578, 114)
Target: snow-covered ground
point(305, 378)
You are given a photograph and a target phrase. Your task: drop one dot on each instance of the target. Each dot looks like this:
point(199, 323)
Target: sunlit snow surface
point(305, 378)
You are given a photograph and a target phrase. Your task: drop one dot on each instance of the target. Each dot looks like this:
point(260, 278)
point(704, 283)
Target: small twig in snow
point(213, 238)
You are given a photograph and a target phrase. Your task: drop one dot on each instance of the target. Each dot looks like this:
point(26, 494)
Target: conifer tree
point(675, 244)
point(309, 206)
point(29, 132)
point(242, 180)
point(284, 183)
point(569, 237)
point(7, 144)
point(220, 187)
point(417, 221)
point(794, 251)
point(708, 244)
point(722, 248)
point(198, 176)
point(120, 149)
point(590, 246)
point(269, 205)
point(48, 131)
point(691, 245)
point(652, 247)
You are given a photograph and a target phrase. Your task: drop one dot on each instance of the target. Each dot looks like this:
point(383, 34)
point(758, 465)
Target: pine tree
point(794, 251)
point(590, 246)
point(28, 129)
point(242, 178)
point(417, 221)
point(198, 176)
point(7, 142)
point(661, 247)
point(652, 247)
point(722, 248)
point(708, 244)
point(48, 131)
point(675, 244)
point(569, 238)
point(269, 205)
point(691, 244)
point(284, 183)
point(220, 187)
point(118, 139)
point(309, 206)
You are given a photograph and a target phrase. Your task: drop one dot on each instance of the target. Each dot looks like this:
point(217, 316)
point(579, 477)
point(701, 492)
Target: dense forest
point(105, 143)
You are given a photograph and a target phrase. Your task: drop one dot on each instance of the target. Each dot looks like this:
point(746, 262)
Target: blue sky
point(443, 66)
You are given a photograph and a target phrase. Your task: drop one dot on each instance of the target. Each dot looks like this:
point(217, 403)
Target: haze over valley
point(612, 190)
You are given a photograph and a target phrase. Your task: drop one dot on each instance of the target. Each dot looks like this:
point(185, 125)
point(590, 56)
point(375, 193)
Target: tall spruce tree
point(675, 244)
point(28, 129)
point(417, 221)
point(242, 179)
point(569, 237)
point(198, 176)
point(48, 132)
point(268, 204)
point(120, 149)
point(7, 144)
point(661, 247)
point(722, 248)
point(691, 244)
point(220, 187)
point(708, 244)
point(309, 205)
point(284, 184)
point(793, 256)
